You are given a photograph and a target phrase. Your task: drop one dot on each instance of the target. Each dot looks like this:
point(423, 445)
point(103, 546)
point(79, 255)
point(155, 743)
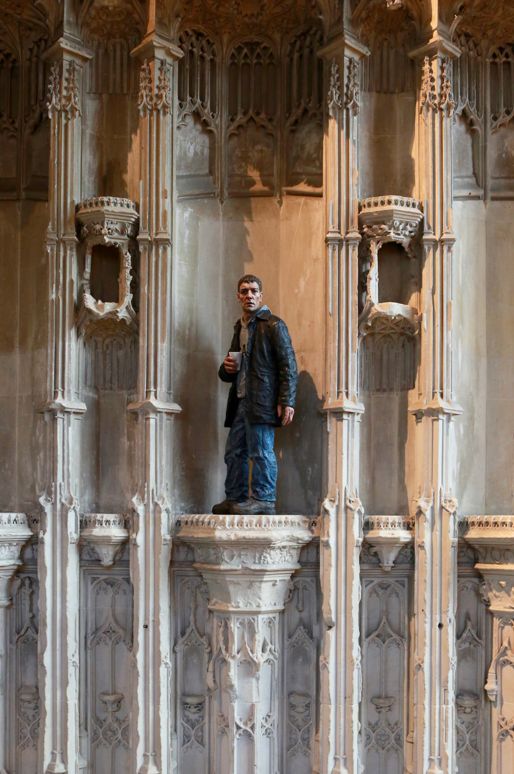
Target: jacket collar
point(264, 313)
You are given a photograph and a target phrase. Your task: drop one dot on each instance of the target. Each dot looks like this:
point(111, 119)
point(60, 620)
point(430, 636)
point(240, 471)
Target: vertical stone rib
point(342, 514)
point(151, 544)
point(434, 410)
point(58, 554)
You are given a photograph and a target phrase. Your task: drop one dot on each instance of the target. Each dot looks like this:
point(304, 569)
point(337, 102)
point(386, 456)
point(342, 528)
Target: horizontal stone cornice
point(155, 45)
point(345, 43)
point(437, 407)
point(61, 406)
point(152, 406)
point(438, 45)
point(343, 407)
point(68, 47)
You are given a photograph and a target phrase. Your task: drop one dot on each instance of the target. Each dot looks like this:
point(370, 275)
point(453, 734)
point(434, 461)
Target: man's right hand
point(230, 365)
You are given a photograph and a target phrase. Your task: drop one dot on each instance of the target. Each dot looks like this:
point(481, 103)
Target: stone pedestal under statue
point(247, 563)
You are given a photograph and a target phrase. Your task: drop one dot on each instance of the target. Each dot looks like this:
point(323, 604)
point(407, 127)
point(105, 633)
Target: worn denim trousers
point(253, 442)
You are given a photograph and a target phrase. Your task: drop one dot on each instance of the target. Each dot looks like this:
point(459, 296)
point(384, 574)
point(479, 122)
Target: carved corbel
point(106, 533)
point(387, 535)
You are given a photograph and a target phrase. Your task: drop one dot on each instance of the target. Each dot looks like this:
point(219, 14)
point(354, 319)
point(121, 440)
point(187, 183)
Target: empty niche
point(107, 228)
point(105, 269)
point(197, 125)
point(388, 321)
point(394, 281)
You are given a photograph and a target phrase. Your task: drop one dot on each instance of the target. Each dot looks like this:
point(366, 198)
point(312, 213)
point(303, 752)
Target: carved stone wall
point(359, 157)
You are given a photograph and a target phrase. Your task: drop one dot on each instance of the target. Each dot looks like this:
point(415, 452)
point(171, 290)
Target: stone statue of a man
point(261, 367)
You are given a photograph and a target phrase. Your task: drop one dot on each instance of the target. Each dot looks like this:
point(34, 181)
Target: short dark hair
point(250, 278)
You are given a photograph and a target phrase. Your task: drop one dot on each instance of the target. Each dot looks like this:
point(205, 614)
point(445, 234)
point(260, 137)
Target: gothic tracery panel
point(24, 692)
point(468, 132)
point(472, 648)
point(252, 118)
point(501, 150)
point(107, 672)
point(384, 663)
point(192, 650)
point(300, 657)
point(249, 122)
point(303, 110)
point(198, 114)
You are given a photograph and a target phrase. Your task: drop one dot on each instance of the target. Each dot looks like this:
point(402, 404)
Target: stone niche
point(107, 226)
point(390, 268)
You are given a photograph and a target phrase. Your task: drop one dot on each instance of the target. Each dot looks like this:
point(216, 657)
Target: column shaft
point(58, 556)
point(342, 514)
point(151, 544)
point(433, 408)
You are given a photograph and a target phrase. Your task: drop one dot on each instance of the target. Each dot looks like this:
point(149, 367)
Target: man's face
point(250, 297)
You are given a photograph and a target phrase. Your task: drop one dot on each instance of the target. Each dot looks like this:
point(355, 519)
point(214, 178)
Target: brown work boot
point(226, 507)
point(255, 507)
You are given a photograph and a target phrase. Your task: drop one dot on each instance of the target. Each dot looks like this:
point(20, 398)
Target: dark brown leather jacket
point(272, 373)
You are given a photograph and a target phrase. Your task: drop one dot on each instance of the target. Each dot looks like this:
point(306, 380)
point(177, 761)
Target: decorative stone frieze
point(14, 533)
point(387, 535)
point(247, 562)
point(390, 218)
point(111, 221)
point(105, 533)
point(492, 537)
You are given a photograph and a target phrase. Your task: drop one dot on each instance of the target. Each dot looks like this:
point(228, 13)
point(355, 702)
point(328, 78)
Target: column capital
point(156, 46)
point(68, 47)
point(347, 44)
point(439, 45)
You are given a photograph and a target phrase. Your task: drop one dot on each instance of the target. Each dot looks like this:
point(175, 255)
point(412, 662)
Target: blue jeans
point(255, 442)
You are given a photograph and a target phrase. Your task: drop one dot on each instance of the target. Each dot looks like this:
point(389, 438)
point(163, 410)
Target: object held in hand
point(237, 356)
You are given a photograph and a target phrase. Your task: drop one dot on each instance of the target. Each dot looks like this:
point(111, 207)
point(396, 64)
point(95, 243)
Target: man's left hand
point(285, 414)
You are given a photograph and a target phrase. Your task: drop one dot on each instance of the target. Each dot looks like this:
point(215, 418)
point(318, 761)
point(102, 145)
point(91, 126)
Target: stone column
point(342, 514)
point(247, 563)
point(14, 532)
point(493, 539)
point(153, 411)
point(58, 557)
point(433, 407)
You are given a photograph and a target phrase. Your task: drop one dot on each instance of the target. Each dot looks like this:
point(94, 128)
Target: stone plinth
point(492, 537)
point(247, 563)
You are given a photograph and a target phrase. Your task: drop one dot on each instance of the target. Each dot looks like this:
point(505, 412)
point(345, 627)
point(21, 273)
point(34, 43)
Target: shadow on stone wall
point(299, 451)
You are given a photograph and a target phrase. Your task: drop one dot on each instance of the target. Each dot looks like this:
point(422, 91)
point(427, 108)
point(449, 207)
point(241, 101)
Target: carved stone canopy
point(390, 218)
point(111, 221)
